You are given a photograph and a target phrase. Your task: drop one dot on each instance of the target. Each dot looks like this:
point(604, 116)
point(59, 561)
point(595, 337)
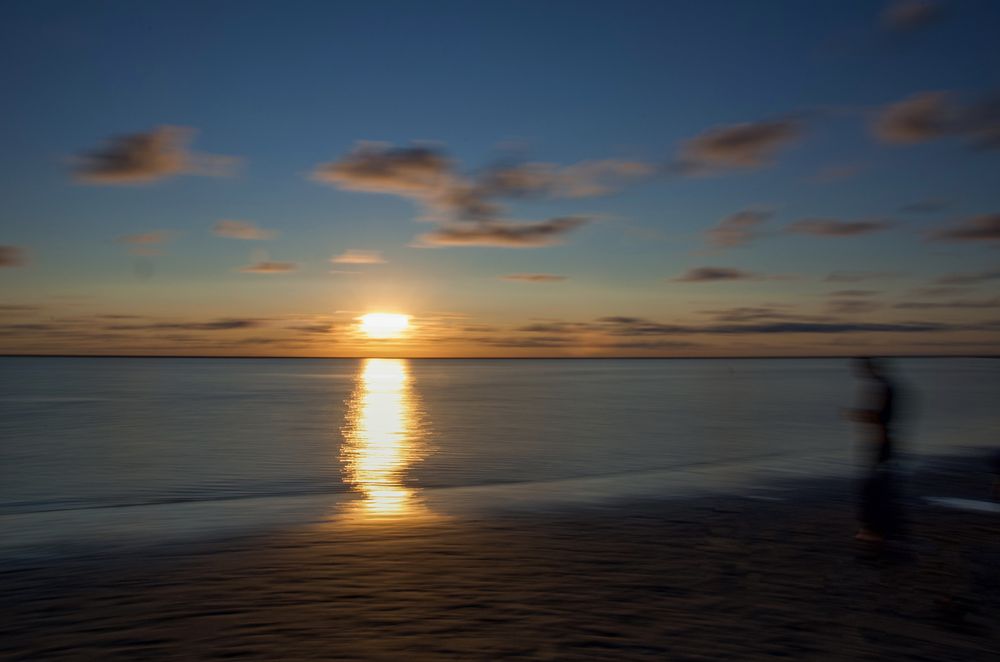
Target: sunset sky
point(522, 178)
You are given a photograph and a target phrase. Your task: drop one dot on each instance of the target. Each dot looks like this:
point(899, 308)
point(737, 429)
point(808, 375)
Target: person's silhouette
point(879, 509)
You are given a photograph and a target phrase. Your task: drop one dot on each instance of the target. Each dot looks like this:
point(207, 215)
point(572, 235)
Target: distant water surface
point(80, 436)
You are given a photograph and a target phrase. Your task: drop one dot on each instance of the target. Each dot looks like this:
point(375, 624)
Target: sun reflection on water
point(383, 438)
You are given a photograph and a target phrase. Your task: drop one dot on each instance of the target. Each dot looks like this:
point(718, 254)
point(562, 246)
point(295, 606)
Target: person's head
point(869, 367)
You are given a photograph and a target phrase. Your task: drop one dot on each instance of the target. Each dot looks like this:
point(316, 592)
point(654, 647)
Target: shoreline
point(707, 577)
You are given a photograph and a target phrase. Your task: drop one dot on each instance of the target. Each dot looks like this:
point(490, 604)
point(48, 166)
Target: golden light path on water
point(383, 437)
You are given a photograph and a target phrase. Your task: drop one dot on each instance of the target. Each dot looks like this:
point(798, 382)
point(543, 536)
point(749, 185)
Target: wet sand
point(704, 579)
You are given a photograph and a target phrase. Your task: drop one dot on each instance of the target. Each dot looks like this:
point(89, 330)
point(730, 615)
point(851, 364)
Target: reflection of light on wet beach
point(383, 437)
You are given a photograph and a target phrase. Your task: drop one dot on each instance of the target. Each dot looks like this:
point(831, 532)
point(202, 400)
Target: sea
point(105, 452)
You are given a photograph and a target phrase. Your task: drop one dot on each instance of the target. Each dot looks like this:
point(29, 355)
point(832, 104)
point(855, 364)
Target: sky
point(521, 178)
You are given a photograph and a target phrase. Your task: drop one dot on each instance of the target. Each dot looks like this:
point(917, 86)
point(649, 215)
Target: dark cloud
point(829, 327)
point(710, 274)
point(18, 308)
point(985, 227)
point(227, 324)
point(316, 327)
point(267, 267)
point(969, 277)
point(145, 157)
point(858, 276)
point(907, 15)
point(11, 256)
point(505, 234)
point(651, 344)
point(240, 230)
point(835, 173)
point(853, 293)
point(756, 314)
point(918, 118)
point(938, 291)
point(637, 326)
point(640, 327)
point(33, 326)
point(527, 343)
point(852, 306)
point(827, 227)
point(749, 145)
point(928, 206)
point(993, 302)
point(554, 327)
point(737, 229)
point(534, 278)
point(980, 123)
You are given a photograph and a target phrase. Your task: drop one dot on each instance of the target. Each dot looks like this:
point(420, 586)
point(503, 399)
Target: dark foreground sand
point(709, 579)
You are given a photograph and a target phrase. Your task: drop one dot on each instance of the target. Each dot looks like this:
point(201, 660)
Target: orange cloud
point(240, 230)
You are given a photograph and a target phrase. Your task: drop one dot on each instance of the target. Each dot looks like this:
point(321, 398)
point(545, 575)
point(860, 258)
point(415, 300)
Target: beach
point(715, 577)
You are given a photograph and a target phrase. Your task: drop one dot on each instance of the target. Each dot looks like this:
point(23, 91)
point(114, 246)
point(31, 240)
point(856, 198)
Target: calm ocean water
point(108, 446)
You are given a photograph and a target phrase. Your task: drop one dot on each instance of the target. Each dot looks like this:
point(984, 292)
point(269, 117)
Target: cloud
point(634, 326)
point(11, 256)
point(938, 291)
point(466, 207)
point(907, 15)
point(581, 180)
point(852, 306)
point(931, 115)
point(737, 229)
point(980, 123)
point(428, 175)
point(146, 238)
point(534, 278)
point(554, 327)
point(226, 324)
point(710, 274)
point(853, 293)
point(830, 327)
point(358, 256)
point(240, 230)
point(268, 267)
point(858, 276)
point(418, 171)
point(317, 327)
point(749, 146)
point(531, 342)
point(834, 173)
point(146, 157)
point(826, 227)
point(927, 206)
point(985, 227)
point(755, 314)
point(505, 234)
point(969, 277)
point(993, 302)
point(918, 118)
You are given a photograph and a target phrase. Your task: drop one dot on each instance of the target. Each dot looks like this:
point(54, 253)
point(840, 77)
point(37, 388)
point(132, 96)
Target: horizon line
point(501, 358)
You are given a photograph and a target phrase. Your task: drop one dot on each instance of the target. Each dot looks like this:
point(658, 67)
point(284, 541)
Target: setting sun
point(384, 325)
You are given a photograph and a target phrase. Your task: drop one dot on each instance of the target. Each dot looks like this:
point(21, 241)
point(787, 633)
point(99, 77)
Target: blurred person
point(879, 509)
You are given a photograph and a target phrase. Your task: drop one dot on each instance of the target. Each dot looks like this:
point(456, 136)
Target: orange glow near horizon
point(384, 325)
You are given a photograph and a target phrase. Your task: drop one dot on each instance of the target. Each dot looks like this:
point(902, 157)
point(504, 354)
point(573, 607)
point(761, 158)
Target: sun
point(384, 325)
